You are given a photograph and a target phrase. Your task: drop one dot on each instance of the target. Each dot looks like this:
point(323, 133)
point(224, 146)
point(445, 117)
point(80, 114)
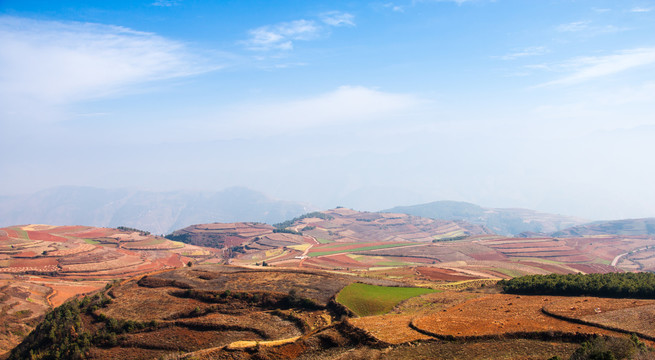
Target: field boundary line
point(592, 324)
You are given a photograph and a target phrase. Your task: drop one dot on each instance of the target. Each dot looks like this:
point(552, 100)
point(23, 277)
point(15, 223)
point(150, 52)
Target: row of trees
point(620, 285)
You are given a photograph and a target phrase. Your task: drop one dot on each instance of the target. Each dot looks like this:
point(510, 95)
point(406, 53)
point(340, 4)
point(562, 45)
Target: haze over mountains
point(165, 212)
point(500, 221)
point(157, 212)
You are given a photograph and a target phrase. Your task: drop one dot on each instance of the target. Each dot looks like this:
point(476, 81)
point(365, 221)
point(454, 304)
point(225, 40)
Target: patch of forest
point(617, 285)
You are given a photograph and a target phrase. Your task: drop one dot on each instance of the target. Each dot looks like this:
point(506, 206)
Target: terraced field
point(47, 265)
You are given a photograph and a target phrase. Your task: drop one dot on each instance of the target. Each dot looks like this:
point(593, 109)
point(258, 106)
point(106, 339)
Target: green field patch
point(392, 263)
point(323, 241)
point(149, 242)
point(601, 261)
point(367, 300)
point(91, 241)
point(363, 248)
point(22, 233)
point(509, 272)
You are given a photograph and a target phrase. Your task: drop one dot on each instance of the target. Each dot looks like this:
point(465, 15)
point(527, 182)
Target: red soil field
point(439, 274)
point(67, 229)
point(93, 233)
point(44, 236)
point(12, 233)
point(500, 314)
point(341, 261)
point(34, 263)
point(173, 260)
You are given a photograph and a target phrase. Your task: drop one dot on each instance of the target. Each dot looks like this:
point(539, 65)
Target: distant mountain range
point(157, 212)
point(165, 212)
point(627, 227)
point(499, 221)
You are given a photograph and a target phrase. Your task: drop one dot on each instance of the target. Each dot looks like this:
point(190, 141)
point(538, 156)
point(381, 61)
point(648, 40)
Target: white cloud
point(588, 68)
point(529, 51)
point(337, 18)
point(51, 63)
point(282, 35)
point(641, 10)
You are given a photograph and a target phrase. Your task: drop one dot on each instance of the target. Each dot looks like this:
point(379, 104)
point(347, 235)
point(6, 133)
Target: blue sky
point(546, 104)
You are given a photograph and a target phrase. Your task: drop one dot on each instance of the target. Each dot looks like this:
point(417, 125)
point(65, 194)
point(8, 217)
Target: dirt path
point(48, 298)
point(618, 257)
point(303, 256)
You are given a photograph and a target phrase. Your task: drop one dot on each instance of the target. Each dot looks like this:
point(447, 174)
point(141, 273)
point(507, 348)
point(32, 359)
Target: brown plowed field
point(392, 328)
point(33, 263)
point(439, 274)
point(500, 314)
point(628, 314)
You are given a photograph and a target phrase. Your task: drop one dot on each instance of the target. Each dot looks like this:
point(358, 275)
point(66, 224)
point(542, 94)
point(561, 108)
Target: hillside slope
point(500, 221)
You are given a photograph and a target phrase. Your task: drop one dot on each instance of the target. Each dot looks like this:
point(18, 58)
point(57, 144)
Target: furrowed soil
point(505, 315)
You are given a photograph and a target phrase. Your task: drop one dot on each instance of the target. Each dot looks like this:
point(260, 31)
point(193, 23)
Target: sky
point(547, 105)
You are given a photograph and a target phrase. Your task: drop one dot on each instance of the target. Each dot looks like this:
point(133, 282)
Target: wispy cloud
point(281, 36)
point(393, 7)
point(526, 52)
point(588, 68)
point(56, 63)
point(166, 3)
point(586, 28)
point(337, 18)
point(641, 10)
point(574, 26)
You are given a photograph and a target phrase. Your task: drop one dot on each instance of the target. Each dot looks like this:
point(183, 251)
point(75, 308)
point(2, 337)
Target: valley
point(316, 286)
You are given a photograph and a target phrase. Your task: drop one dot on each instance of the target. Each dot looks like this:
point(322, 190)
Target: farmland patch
point(365, 300)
